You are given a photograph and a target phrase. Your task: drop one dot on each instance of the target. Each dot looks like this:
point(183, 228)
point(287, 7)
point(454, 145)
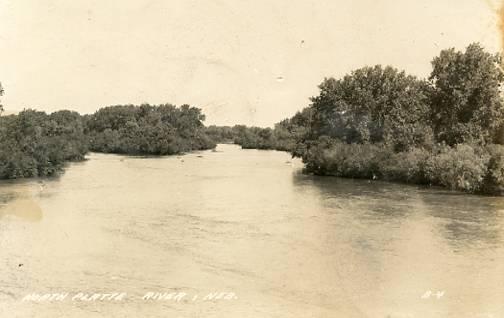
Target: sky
point(251, 62)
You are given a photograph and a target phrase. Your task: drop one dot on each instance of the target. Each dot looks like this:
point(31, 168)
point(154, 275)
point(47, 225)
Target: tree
point(147, 129)
point(372, 104)
point(466, 101)
point(33, 143)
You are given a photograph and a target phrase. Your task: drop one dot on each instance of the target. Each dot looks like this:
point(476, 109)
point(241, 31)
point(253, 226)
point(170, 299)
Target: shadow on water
point(17, 198)
point(466, 221)
point(368, 199)
point(463, 220)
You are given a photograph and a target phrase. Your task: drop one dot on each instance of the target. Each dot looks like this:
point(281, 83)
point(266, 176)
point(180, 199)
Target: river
point(247, 224)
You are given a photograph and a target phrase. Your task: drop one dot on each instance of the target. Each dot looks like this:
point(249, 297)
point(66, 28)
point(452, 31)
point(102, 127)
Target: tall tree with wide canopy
point(372, 104)
point(466, 102)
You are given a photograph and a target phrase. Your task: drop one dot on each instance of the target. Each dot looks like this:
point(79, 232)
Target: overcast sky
point(253, 62)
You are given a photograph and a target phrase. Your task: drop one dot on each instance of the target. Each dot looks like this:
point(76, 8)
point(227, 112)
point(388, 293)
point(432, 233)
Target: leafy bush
point(494, 179)
point(35, 144)
point(157, 130)
point(469, 168)
point(329, 156)
point(462, 167)
point(407, 166)
point(354, 160)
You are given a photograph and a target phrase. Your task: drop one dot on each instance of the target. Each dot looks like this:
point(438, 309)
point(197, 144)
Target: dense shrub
point(462, 167)
point(407, 166)
point(35, 144)
point(494, 178)
point(354, 160)
point(157, 130)
point(328, 156)
point(469, 168)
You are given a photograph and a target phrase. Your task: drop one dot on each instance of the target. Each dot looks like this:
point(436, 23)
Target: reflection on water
point(409, 239)
point(465, 221)
point(23, 208)
point(19, 200)
point(248, 222)
point(468, 221)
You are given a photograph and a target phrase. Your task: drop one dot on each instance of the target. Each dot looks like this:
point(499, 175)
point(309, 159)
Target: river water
point(247, 224)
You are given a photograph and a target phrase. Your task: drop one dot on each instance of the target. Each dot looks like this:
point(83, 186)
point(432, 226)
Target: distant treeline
point(380, 123)
point(284, 136)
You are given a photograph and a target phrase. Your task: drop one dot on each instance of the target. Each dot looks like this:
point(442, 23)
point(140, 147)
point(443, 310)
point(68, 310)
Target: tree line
point(36, 144)
point(375, 122)
point(381, 123)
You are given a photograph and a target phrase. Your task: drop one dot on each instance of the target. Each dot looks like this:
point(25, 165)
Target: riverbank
point(468, 168)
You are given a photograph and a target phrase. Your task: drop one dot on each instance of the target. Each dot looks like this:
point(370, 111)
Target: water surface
point(246, 222)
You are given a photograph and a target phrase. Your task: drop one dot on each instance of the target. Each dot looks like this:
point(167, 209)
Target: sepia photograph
point(251, 159)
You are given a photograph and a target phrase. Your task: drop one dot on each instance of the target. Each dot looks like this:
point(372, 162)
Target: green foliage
point(35, 144)
point(376, 122)
point(220, 134)
point(466, 100)
point(381, 123)
point(331, 157)
point(462, 167)
point(285, 136)
point(373, 104)
point(252, 137)
point(255, 137)
point(494, 179)
point(157, 130)
point(407, 166)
